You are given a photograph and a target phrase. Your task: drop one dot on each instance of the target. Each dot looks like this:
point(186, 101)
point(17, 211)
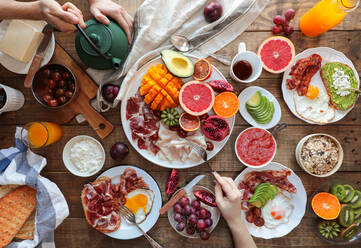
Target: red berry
point(288, 30)
point(290, 14)
point(277, 29)
point(278, 20)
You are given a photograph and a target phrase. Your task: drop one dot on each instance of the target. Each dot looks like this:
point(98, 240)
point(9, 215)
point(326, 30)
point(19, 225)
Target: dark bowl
point(48, 79)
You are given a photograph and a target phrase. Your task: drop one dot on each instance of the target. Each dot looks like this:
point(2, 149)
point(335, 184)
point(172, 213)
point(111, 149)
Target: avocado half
point(178, 64)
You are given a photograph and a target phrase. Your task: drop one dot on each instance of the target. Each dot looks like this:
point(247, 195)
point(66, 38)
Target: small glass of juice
point(40, 134)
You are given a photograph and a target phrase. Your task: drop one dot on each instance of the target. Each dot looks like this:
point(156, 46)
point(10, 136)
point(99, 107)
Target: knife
point(39, 55)
point(182, 192)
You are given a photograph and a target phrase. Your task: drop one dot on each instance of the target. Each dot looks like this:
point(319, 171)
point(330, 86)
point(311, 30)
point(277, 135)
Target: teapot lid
point(101, 36)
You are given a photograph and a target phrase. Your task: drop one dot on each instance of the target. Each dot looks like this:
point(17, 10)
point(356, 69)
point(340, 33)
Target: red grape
point(208, 213)
point(209, 222)
point(288, 30)
point(177, 208)
point(193, 219)
point(204, 235)
point(279, 20)
point(180, 226)
point(201, 224)
point(178, 217)
point(190, 230)
point(184, 201)
point(193, 210)
point(196, 204)
point(202, 213)
point(290, 14)
point(277, 29)
point(187, 210)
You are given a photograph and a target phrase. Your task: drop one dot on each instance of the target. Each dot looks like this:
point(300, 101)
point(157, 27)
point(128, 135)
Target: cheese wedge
point(20, 40)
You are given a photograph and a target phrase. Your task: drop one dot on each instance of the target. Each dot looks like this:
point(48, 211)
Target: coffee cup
point(246, 66)
point(10, 99)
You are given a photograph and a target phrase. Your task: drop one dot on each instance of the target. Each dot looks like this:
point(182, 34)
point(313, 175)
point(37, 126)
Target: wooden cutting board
point(87, 90)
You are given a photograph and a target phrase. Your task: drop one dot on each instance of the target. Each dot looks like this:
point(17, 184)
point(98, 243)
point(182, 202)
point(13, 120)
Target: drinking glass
point(40, 134)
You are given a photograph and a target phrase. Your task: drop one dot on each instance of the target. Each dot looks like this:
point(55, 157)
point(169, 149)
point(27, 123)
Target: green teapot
point(100, 46)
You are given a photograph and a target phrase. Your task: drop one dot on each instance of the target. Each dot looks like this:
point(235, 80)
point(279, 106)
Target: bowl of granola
point(320, 155)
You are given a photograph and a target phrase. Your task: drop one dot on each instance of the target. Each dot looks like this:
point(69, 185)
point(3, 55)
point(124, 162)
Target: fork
point(130, 217)
point(202, 152)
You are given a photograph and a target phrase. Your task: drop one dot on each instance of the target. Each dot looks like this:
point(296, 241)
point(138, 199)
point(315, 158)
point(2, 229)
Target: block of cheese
point(36, 24)
point(20, 40)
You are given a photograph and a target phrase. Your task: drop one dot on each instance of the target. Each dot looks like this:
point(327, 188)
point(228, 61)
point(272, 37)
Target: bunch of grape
point(282, 23)
point(192, 217)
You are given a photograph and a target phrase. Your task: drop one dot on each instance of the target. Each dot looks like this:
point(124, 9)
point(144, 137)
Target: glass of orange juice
point(325, 15)
point(40, 134)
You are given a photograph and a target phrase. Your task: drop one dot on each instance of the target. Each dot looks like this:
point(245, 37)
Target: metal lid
point(101, 37)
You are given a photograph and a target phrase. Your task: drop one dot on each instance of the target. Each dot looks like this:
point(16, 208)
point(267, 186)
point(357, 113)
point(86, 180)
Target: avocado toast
point(335, 77)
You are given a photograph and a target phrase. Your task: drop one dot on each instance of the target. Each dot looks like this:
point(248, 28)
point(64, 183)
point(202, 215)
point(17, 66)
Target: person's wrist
point(93, 1)
point(234, 223)
point(35, 10)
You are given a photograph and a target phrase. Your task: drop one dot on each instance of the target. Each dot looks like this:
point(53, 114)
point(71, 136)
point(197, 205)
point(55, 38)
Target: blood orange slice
point(226, 104)
point(277, 54)
point(196, 98)
point(202, 70)
point(189, 122)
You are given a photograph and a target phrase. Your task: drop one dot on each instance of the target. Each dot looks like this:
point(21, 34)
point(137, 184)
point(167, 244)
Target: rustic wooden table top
point(75, 232)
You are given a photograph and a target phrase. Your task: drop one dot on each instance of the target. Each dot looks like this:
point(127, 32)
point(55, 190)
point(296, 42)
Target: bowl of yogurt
point(83, 156)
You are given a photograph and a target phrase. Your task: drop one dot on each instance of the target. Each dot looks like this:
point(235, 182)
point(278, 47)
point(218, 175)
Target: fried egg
point(277, 211)
point(140, 201)
point(314, 106)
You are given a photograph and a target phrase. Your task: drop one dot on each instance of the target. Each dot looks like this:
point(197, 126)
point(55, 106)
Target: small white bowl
point(302, 142)
point(66, 156)
point(255, 166)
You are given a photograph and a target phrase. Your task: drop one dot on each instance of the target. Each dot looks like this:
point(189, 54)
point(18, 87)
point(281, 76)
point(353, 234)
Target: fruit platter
point(200, 108)
point(336, 210)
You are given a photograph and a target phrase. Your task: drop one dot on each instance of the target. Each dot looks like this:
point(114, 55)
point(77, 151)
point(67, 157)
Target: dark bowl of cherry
point(54, 86)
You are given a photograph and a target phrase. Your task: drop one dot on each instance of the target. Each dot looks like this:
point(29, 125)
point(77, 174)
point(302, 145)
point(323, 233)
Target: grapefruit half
point(196, 98)
point(277, 54)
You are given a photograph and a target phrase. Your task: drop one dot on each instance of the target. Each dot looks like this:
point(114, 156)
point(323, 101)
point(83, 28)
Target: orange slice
point(189, 122)
point(202, 70)
point(226, 104)
point(326, 206)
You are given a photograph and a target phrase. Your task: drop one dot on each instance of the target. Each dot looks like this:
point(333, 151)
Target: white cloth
point(24, 169)
point(159, 19)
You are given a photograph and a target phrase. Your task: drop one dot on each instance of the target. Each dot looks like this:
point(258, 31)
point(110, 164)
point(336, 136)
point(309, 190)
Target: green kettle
point(100, 46)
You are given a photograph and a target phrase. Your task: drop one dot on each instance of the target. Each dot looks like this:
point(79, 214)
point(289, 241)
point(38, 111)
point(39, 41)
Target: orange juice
point(325, 15)
point(41, 134)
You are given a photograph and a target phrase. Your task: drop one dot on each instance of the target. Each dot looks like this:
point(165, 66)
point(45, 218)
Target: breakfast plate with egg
point(314, 87)
point(122, 185)
point(274, 200)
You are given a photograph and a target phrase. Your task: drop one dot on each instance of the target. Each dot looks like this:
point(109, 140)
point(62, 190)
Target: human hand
point(103, 8)
point(63, 17)
point(228, 198)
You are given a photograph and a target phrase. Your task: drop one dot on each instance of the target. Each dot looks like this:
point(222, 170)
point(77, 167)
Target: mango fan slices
point(160, 88)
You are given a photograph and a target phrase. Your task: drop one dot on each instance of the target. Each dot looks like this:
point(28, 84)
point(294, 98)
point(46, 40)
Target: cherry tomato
point(62, 99)
point(60, 92)
point(259, 221)
point(52, 84)
point(65, 75)
point(46, 72)
point(71, 86)
point(56, 76)
point(210, 146)
point(62, 84)
point(68, 94)
point(47, 98)
point(53, 103)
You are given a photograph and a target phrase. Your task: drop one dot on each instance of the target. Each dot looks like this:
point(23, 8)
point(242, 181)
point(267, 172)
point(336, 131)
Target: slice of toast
point(28, 229)
point(84, 203)
point(327, 86)
point(15, 209)
point(5, 189)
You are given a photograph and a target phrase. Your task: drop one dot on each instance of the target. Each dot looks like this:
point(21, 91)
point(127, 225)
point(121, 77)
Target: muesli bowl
point(331, 165)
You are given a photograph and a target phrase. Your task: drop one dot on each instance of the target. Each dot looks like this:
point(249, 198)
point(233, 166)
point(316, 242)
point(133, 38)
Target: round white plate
point(17, 66)
point(133, 88)
point(328, 55)
point(67, 151)
point(246, 95)
point(128, 231)
point(299, 200)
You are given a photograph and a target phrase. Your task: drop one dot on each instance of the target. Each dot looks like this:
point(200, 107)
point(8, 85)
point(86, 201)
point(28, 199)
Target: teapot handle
point(115, 61)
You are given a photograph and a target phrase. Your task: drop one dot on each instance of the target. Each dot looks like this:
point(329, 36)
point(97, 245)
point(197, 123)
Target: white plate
point(299, 200)
point(328, 55)
point(133, 88)
point(246, 95)
point(67, 151)
point(128, 231)
point(17, 66)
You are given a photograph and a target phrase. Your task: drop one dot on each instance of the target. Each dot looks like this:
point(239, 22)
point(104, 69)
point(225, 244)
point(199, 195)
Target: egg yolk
point(277, 214)
point(312, 92)
point(137, 202)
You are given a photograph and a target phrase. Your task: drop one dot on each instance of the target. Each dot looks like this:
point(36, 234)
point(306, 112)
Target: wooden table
point(75, 232)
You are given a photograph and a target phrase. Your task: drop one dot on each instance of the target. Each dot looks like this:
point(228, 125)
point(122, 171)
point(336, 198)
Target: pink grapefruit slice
point(196, 98)
point(277, 54)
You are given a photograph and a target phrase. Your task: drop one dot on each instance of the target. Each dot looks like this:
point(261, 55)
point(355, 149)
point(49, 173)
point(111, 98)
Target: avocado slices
point(178, 64)
point(260, 108)
point(263, 193)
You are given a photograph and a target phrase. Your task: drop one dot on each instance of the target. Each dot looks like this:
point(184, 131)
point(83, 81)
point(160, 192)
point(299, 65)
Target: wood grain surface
point(75, 232)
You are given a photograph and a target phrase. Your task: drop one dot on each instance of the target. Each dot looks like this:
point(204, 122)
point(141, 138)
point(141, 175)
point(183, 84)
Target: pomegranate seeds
point(282, 23)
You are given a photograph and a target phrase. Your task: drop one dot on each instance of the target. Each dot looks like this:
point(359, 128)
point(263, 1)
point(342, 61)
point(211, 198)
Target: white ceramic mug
point(251, 58)
point(14, 99)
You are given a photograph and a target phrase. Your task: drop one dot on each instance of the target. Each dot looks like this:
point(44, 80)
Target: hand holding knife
point(182, 192)
point(39, 55)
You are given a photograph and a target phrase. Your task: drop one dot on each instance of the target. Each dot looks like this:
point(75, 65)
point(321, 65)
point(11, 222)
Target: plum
point(212, 11)
point(119, 151)
point(110, 92)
